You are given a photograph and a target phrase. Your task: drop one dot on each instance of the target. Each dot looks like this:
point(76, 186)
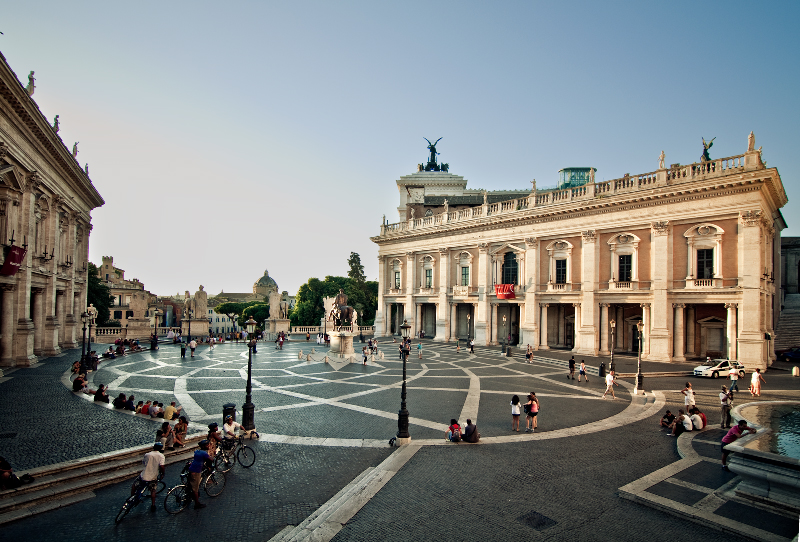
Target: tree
point(99, 295)
point(356, 272)
point(258, 310)
point(309, 307)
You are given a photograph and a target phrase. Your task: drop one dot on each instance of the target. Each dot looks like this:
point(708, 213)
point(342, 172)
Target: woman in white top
point(515, 406)
point(755, 383)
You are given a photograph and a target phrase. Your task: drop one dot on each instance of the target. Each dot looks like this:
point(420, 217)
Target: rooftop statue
point(86, 168)
point(661, 160)
point(432, 148)
point(706, 146)
point(751, 142)
point(75, 149)
point(31, 84)
point(55, 124)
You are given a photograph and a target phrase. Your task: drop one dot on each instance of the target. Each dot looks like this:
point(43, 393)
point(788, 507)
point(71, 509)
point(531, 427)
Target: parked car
point(790, 354)
point(717, 367)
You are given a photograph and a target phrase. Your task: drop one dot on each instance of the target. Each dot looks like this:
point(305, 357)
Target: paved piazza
point(338, 403)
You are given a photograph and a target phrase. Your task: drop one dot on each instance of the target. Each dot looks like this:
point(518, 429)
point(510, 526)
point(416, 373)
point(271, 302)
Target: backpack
point(527, 408)
point(456, 435)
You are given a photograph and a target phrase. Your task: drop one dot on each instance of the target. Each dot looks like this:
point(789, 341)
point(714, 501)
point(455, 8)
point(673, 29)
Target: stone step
point(55, 483)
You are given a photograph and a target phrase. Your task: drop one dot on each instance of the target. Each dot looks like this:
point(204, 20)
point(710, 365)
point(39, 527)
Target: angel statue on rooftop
point(706, 146)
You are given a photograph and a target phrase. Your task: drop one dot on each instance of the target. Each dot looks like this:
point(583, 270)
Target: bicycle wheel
point(160, 486)
point(127, 506)
point(224, 461)
point(246, 456)
point(214, 483)
point(177, 499)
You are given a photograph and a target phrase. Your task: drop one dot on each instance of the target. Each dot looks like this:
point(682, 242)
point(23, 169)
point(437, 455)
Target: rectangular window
point(117, 315)
point(397, 280)
point(561, 271)
point(625, 266)
point(465, 276)
point(705, 263)
point(128, 314)
point(429, 278)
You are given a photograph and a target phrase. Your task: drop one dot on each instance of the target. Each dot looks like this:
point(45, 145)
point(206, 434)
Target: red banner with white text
point(14, 258)
point(504, 291)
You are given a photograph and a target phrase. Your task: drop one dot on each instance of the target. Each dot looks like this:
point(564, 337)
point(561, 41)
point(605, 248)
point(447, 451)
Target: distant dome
point(265, 285)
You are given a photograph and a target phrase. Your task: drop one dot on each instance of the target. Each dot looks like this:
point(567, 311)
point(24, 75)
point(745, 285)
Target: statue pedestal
point(199, 328)
point(138, 328)
point(341, 343)
point(277, 325)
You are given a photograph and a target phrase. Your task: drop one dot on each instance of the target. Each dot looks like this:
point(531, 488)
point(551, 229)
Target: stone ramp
point(787, 333)
point(698, 489)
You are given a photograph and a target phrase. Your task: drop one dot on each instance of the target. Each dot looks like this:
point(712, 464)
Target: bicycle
point(180, 496)
point(138, 495)
point(230, 452)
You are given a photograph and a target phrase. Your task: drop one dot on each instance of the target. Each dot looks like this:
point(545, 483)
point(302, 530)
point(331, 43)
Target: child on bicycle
point(201, 461)
point(153, 471)
point(214, 438)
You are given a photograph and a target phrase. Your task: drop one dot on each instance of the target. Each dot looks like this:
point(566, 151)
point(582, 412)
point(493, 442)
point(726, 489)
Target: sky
point(230, 138)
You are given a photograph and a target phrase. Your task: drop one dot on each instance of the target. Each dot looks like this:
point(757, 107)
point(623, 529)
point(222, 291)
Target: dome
point(265, 285)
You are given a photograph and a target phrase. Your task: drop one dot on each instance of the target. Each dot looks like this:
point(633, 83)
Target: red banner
point(504, 291)
point(14, 258)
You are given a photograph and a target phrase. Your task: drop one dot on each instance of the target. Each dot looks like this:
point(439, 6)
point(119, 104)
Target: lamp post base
point(402, 441)
point(249, 416)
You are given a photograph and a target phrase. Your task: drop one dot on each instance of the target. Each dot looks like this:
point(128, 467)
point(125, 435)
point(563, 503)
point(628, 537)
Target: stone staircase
point(788, 332)
point(56, 486)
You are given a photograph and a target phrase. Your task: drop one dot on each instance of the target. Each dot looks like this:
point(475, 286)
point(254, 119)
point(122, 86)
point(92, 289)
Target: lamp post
point(613, 327)
point(402, 416)
point(190, 314)
point(468, 330)
point(92, 312)
point(505, 342)
point(85, 320)
point(639, 375)
point(154, 340)
point(248, 408)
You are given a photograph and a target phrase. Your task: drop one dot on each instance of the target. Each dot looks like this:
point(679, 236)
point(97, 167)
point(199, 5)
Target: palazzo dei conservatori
point(690, 251)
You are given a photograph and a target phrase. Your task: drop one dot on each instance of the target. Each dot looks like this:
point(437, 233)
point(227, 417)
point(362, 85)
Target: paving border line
point(328, 519)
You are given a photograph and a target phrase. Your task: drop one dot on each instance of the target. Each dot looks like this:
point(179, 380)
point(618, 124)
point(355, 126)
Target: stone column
point(381, 318)
point(751, 326)
point(7, 344)
point(620, 334)
point(661, 271)
point(38, 320)
point(604, 351)
point(646, 329)
point(731, 330)
point(529, 328)
point(543, 345)
point(410, 285)
point(61, 317)
point(677, 354)
point(577, 326)
point(444, 287)
point(561, 322)
point(481, 314)
point(691, 324)
point(494, 323)
point(418, 318)
point(453, 326)
point(586, 331)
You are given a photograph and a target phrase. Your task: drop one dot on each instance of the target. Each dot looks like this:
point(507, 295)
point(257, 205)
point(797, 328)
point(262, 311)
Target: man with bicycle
point(229, 428)
point(153, 471)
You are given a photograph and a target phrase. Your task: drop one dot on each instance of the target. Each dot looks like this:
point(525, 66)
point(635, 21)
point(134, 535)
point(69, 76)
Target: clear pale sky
point(231, 137)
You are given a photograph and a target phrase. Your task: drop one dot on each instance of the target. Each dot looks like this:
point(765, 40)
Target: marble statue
point(200, 303)
point(533, 186)
point(485, 198)
point(31, 84)
point(751, 142)
point(383, 221)
point(591, 174)
point(353, 321)
point(275, 306)
point(86, 168)
point(661, 160)
point(412, 213)
point(446, 206)
point(56, 127)
point(75, 149)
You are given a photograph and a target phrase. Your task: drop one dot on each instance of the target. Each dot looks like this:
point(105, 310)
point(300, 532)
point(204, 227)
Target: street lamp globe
point(251, 325)
point(405, 329)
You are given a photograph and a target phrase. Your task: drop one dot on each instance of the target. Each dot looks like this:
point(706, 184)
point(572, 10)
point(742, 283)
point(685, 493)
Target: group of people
point(581, 371)
point(691, 420)
point(469, 434)
point(531, 410)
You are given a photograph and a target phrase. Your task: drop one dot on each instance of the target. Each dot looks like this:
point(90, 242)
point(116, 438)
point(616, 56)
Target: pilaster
point(662, 310)
point(484, 289)
point(587, 342)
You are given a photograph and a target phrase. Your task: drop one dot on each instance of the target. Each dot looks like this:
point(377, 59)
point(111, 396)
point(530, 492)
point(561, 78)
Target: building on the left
point(46, 201)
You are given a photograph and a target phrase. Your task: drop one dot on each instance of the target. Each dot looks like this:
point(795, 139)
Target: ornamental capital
point(443, 250)
point(750, 218)
point(530, 242)
point(589, 236)
point(660, 228)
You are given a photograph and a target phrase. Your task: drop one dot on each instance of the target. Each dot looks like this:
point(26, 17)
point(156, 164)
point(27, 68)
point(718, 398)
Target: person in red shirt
point(735, 432)
point(454, 431)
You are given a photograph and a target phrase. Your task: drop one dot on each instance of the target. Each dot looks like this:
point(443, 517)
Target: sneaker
point(199, 505)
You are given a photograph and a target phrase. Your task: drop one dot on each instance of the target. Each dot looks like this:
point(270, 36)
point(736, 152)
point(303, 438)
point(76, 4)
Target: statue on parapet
point(706, 146)
point(751, 142)
point(31, 84)
point(56, 127)
point(661, 158)
point(432, 148)
point(75, 149)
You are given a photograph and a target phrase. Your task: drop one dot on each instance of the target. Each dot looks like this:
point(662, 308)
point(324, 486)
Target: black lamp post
point(92, 314)
point(639, 375)
point(190, 314)
point(468, 330)
point(613, 327)
point(505, 340)
point(85, 320)
point(154, 340)
point(402, 416)
point(248, 408)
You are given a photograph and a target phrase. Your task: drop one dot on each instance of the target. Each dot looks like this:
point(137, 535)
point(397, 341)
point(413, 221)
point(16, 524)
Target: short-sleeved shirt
point(152, 461)
point(734, 372)
point(732, 435)
point(669, 418)
point(609, 380)
point(697, 421)
point(572, 364)
point(146, 409)
point(230, 427)
point(200, 457)
point(169, 412)
point(687, 422)
point(724, 399)
point(193, 345)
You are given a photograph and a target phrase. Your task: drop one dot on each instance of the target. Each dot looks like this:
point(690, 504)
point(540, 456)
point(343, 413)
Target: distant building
point(131, 300)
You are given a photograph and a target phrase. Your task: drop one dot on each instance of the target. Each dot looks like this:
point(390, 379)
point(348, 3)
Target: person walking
point(734, 375)
point(419, 350)
point(192, 346)
point(472, 346)
point(183, 349)
point(611, 381)
point(688, 396)
point(515, 413)
point(582, 372)
point(571, 368)
point(755, 383)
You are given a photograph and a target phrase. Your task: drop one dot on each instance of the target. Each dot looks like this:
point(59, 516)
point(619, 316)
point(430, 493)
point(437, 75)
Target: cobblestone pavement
point(284, 486)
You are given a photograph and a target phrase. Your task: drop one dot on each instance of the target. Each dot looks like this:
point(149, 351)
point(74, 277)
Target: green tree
point(258, 310)
point(356, 272)
point(99, 295)
point(231, 310)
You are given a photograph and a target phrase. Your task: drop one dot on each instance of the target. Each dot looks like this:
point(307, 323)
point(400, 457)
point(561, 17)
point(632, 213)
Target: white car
point(717, 367)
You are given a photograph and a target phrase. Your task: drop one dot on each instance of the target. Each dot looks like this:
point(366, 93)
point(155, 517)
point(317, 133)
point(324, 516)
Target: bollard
point(602, 372)
point(229, 409)
point(795, 371)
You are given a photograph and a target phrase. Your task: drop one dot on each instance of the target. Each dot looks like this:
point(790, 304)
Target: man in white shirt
point(610, 383)
point(229, 428)
point(192, 346)
point(734, 374)
point(697, 421)
point(153, 470)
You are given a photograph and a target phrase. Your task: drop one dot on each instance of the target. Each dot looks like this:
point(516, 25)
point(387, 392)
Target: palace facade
point(45, 203)
point(692, 252)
